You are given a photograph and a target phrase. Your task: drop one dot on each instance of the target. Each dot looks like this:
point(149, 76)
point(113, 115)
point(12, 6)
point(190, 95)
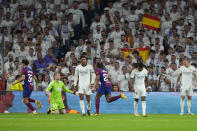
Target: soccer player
point(27, 77)
point(104, 88)
point(138, 83)
point(186, 73)
point(55, 88)
point(85, 77)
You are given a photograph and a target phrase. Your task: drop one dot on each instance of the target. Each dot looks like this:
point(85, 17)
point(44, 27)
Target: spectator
point(123, 80)
point(77, 17)
point(151, 59)
point(45, 83)
point(71, 78)
point(31, 56)
point(152, 78)
point(9, 63)
point(106, 18)
point(10, 77)
point(173, 74)
point(50, 58)
point(72, 50)
point(163, 81)
point(40, 79)
point(17, 67)
point(97, 22)
point(63, 69)
point(114, 73)
point(40, 65)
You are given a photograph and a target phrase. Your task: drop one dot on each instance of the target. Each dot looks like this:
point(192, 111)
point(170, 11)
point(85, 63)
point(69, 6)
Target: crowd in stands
point(53, 34)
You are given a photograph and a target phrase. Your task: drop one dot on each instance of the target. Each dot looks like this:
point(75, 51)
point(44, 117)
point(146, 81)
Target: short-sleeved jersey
point(56, 87)
point(139, 77)
point(103, 77)
point(83, 75)
point(186, 76)
point(28, 82)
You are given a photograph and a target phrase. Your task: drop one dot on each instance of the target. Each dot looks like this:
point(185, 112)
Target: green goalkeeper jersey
point(56, 89)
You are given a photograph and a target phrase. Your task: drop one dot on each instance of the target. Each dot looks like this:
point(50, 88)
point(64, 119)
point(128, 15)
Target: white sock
point(135, 107)
point(182, 105)
point(189, 103)
point(144, 107)
point(82, 106)
point(88, 105)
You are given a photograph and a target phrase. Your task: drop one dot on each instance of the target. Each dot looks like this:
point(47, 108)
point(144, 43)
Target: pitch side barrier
point(157, 103)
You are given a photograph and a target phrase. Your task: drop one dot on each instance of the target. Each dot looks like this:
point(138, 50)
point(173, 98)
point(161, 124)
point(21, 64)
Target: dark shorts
point(27, 92)
point(104, 90)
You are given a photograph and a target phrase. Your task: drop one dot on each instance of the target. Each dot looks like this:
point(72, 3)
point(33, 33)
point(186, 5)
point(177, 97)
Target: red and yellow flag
point(126, 51)
point(151, 22)
point(143, 52)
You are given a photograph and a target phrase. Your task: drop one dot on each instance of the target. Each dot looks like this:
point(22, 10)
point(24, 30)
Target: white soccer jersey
point(83, 75)
point(187, 75)
point(139, 77)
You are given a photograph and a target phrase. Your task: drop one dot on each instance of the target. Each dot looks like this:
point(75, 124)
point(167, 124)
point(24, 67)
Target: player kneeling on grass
point(104, 88)
point(186, 73)
point(137, 82)
point(55, 87)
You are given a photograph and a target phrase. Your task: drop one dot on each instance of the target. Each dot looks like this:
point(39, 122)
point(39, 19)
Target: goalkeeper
point(55, 87)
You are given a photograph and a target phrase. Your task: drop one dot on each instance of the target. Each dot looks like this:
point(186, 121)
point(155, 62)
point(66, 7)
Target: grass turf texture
point(105, 122)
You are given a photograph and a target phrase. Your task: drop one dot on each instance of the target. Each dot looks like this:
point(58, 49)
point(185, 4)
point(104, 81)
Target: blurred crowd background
point(53, 34)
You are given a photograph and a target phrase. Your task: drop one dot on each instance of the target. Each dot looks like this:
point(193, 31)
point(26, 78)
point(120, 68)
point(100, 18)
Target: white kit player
point(186, 74)
point(84, 78)
point(138, 82)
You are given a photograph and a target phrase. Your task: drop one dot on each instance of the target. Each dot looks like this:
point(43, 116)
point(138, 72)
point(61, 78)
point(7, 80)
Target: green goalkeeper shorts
point(57, 105)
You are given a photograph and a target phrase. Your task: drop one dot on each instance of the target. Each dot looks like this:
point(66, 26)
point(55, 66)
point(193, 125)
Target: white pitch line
point(83, 119)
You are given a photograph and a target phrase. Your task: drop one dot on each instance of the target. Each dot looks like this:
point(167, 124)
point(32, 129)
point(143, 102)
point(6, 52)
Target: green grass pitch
point(105, 122)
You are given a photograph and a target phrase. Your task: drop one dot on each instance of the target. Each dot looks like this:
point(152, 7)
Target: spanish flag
point(143, 52)
point(151, 22)
point(126, 51)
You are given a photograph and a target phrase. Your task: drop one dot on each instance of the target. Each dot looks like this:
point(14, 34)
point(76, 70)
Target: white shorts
point(139, 92)
point(186, 92)
point(84, 90)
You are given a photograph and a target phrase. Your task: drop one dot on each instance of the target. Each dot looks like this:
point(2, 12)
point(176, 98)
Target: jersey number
point(29, 73)
point(105, 77)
